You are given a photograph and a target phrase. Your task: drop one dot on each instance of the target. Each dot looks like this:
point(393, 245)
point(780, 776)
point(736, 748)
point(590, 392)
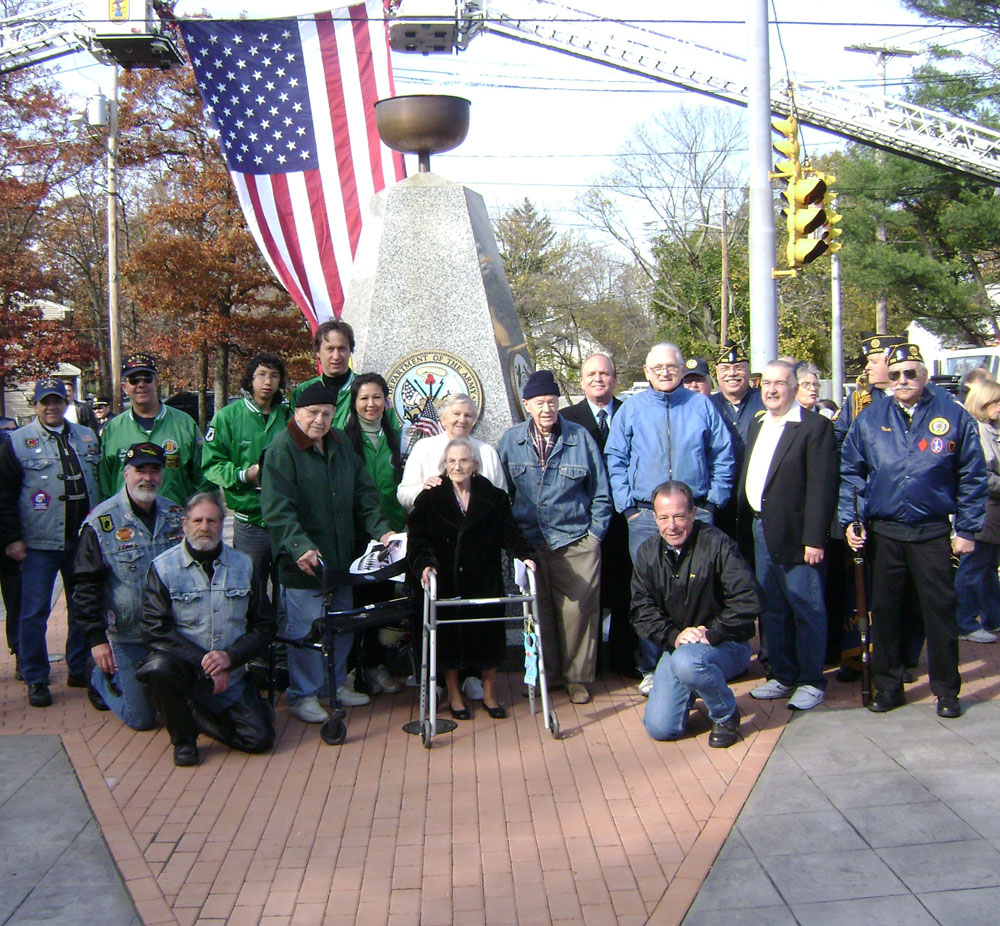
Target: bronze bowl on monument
point(422, 124)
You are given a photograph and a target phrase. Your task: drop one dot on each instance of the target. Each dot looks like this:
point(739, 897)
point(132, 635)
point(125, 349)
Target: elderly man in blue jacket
point(562, 503)
point(666, 433)
point(912, 463)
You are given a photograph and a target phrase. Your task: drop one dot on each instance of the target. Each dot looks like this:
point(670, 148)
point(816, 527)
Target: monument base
point(431, 307)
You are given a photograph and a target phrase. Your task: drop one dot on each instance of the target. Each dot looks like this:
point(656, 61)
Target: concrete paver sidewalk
point(500, 823)
point(54, 865)
point(876, 819)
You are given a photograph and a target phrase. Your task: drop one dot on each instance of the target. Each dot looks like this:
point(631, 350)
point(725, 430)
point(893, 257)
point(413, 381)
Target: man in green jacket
point(334, 344)
point(230, 457)
point(148, 419)
point(314, 489)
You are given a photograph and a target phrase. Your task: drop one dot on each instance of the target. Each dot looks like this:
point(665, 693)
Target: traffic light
point(788, 147)
point(810, 218)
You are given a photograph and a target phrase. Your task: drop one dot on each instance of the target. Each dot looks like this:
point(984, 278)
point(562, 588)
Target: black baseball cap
point(145, 452)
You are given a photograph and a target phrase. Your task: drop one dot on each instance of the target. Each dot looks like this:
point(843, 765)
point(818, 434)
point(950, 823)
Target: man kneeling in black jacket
point(203, 623)
point(693, 596)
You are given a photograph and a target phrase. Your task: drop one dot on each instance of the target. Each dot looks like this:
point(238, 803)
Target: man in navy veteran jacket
point(913, 462)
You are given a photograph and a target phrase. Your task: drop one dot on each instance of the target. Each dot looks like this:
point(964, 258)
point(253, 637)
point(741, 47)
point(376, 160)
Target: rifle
point(864, 615)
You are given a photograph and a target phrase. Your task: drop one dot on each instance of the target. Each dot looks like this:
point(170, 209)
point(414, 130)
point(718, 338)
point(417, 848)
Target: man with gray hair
point(666, 433)
point(787, 494)
point(201, 619)
point(912, 463)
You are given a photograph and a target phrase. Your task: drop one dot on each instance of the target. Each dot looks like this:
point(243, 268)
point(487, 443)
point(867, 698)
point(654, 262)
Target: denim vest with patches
point(128, 548)
point(42, 504)
point(214, 616)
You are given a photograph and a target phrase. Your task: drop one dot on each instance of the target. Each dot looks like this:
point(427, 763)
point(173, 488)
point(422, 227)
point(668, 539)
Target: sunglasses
point(906, 374)
point(135, 378)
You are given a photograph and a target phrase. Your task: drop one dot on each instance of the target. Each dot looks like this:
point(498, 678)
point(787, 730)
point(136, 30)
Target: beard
point(202, 542)
point(144, 494)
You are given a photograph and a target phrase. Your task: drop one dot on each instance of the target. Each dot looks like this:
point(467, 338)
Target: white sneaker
point(805, 697)
point(308, 710)
point(646, 685)
point(979, 636)
point(472, 688)
point(351, 698)
point(379, 680)
point(771, 689)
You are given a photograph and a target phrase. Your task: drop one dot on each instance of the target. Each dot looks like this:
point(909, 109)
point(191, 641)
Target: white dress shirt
point(771, 429)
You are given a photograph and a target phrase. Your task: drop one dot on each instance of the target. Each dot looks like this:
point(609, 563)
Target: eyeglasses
point(907, 374)
point(662, 368)
point(812, 387)
point(135, 378)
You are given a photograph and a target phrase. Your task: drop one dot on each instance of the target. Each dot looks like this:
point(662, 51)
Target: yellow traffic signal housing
point(788, 147)
point(810, 218)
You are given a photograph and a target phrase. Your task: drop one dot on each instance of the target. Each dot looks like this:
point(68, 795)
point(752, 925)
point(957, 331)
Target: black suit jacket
point(800, 491)
point(581, 414)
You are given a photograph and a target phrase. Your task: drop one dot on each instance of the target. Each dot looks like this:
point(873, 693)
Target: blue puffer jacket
point(566, 500)
point(915, 472)
point(656, 436)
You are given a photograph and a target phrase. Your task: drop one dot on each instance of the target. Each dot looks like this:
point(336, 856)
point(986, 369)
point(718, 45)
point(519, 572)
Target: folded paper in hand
point(379, 555)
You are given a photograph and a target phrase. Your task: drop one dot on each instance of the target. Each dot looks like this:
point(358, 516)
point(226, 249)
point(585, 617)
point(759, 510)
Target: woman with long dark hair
point(374, 433)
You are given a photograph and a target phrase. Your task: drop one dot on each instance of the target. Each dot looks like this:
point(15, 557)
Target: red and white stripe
point(308, 223)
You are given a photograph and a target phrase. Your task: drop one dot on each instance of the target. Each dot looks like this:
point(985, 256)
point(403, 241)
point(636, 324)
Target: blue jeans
point(693, 669)
point(978, 588)
point(131, 707)
point(38, 577)
point(307, 674)
point(641, 528)
point(793, 616)
point(256, 543)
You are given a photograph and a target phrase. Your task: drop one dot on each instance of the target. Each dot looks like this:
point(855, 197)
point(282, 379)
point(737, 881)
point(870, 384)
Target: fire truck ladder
point(892, 125)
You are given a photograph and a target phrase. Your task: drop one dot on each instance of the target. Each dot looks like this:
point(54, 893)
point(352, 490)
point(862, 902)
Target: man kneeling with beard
point(202, 621)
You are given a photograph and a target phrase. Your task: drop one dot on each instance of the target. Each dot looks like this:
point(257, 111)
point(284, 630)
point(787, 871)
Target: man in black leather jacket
point(693, 597)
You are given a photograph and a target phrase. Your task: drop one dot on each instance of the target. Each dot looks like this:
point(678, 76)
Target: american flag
point(426, 423)
point(293, 103)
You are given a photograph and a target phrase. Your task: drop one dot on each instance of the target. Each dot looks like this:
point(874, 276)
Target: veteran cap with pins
point(49, 386)
point(696, 366)
point(138, 363)
point(731, 352)
point(901, 353)
point(145, 452)
point(879, 343)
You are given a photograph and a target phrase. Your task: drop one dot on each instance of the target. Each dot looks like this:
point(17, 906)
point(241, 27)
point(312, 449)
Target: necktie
point(602, 423)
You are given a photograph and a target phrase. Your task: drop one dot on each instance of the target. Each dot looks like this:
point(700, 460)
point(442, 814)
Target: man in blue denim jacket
point(201, 619)
point(562, 503)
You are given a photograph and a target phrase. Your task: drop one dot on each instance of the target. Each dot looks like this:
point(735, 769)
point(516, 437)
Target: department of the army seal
point(421, 381)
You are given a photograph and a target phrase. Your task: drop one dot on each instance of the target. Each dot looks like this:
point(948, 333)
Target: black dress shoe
point(77, 680)
point(886, 701)
point(725, 732)
point(462, 713)
point(848, 674)
point(96, 701)
point(949, 707)
point(186, 754)
point(39, 695)
point(497, 713)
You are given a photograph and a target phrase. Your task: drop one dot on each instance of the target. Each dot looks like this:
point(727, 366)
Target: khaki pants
point(569, 596)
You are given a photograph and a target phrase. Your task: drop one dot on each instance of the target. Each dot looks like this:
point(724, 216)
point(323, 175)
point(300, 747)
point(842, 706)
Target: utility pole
point(114, 316)
point(836, 332)
point(724, 315)
point(882, 54)
point(763, 242)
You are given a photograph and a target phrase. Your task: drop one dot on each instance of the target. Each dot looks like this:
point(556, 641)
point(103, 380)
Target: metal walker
point(429, 725)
